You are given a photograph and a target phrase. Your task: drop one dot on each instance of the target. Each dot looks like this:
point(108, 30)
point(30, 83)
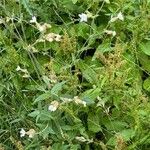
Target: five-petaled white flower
point(83, 17)
point(53, 106)
point(22, 132)
point(33, 20)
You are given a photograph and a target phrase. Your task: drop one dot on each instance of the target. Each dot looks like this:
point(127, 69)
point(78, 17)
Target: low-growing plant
point(74, 74)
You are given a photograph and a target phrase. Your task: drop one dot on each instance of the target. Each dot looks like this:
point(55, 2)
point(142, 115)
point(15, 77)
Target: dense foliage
point(74, 74)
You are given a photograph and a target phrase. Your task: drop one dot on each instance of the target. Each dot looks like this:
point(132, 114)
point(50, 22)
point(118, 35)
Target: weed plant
point(74, 74)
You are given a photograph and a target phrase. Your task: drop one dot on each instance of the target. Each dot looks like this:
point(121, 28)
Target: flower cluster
point(30, 133)
point(55, 104)
point(50, 37)
point(78, 101)
point(118, 17)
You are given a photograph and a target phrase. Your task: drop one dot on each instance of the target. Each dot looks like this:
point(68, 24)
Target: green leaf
point(26, 6)
point(90, 94)
point(144, 60)
point(146, 84)
point(127, 134)
point(45, 130)
point(61, 146)
point(45, 116)
point(116, 125)
point(57, 88)
point(43, 97)
point(88, 73)
point(82, 29)
point(93, 123)
point(104, 47)
point(34, 113)
point(145, 47)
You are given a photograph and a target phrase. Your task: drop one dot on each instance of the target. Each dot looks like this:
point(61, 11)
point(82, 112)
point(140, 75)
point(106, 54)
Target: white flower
point(80, 138)
point(22, 132)
point(33, 20)
point(53, 106)
point(110, 32)
point(113, 19)
point(52, 36)
point(83, 17)
point(79, 101)
point(31, 133)
point(120, 16)
point(18, 68)
point(22, 70)
point(58, 38)
point(44, 27)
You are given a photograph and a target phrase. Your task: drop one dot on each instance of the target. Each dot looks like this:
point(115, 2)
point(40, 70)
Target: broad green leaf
point(45, 130)
point(93, 123)
point(116, 125)
point(45, 116)
point(104, 47)
point(145, 47)
point(82, 29)
point(90, 95)
point(88, 72)
point(146, 84)
point(144, 60)
point(127, 134)
point(43, 97)
point(57, 88)
point(34, 113)
point(60, 146)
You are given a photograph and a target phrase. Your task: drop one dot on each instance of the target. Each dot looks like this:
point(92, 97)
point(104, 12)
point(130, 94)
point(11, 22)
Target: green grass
point(75, 85)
